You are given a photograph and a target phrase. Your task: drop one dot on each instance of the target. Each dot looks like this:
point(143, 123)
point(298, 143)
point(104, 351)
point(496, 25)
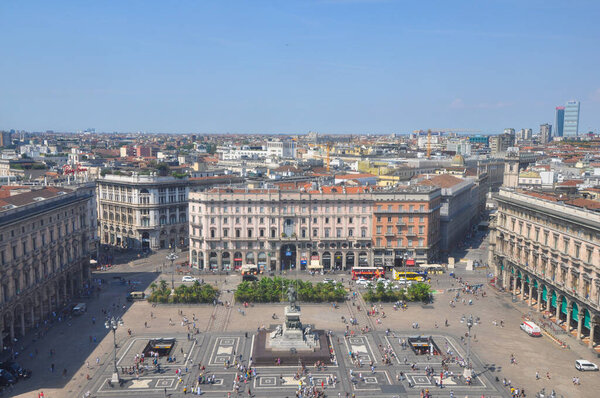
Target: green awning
point(563, 306)
point(535, 284)
point(527, 278)
point(586, 319)
point(544, 294)
point(553, 301)
point(575, 312)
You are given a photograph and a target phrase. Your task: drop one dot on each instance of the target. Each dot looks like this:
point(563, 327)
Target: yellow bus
point(418, 276)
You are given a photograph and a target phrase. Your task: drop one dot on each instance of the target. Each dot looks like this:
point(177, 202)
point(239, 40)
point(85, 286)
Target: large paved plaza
point(213, 350)
point(83, 347)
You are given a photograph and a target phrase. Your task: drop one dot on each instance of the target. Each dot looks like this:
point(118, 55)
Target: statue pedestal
point(291, 343)
point(292, 334)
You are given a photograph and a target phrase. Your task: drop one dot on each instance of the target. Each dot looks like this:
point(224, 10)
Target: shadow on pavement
point(66, 346)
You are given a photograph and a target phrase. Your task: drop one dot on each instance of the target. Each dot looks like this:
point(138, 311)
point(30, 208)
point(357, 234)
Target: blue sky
point(331, 66)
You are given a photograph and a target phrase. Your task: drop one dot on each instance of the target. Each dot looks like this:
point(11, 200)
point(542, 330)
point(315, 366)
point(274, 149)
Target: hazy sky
point(292, 66)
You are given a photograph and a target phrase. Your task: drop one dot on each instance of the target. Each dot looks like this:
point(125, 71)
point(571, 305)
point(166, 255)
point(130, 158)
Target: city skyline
point(326, 66)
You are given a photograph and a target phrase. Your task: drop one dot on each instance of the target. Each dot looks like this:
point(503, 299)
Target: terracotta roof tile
point(442, 181)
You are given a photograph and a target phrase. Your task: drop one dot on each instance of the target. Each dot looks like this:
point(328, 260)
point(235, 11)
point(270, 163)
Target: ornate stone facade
point(143, 211)
point(44, 255)
point(548, 253)
point(288, 229)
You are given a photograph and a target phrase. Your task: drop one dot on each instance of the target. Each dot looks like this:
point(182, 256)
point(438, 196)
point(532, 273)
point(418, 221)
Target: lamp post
point(113, 323)
point(172, 257)
point(468, 370)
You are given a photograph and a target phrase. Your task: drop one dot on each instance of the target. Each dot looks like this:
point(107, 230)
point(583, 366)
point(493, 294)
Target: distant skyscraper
point(571, 128)
point(559, 121)
point(5, 138)
point(545, 133)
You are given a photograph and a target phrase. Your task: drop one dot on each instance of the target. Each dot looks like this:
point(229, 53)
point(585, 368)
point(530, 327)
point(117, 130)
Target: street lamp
point(172, 257)
point(468, 373)
point(113, 323)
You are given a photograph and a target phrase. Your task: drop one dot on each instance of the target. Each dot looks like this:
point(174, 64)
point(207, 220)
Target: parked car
point(584, 365)
point(363, 282)
point(6, 378)
point(79, 309)
point(16, 370)
point(188, 278)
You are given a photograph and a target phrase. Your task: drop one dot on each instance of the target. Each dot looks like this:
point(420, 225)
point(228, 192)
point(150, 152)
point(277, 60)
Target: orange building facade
point(406, 227)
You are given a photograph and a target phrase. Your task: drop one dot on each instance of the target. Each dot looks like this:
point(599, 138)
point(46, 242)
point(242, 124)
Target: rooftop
point(26, 198)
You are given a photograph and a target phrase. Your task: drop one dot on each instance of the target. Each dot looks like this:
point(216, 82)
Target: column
point(579, 323)
point(558, 305)
point(298, 257)
point(569, 309)
point(514, 285)
point(41, 308)
point(32, 316)
point(531, 294)
point(592, 330)
point(539, 298)
point(278, 260)
point(343, 261)
point(22, 322)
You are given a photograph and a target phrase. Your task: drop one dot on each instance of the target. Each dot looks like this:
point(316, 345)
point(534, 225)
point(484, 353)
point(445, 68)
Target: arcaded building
point(44, 253)
point(546, 251)
point(330, 227)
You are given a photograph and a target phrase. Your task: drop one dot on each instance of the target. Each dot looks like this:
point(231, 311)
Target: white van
point(531, 329)
point(79, 309)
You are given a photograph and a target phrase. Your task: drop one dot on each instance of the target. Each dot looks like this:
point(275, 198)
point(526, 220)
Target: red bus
point(367, 272)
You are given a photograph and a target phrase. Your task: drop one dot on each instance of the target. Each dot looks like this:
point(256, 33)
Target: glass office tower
point(571, 127)
point(559, 122)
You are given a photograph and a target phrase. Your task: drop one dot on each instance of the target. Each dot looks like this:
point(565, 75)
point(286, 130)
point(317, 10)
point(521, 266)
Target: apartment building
point(44, 254)
point(276, 229)
point(459, 207)
point(406, 226)
point(546, 251)
point(143, 211)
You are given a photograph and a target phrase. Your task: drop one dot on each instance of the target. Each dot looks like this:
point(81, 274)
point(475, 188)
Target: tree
point(163, 169)
point(163, 285)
